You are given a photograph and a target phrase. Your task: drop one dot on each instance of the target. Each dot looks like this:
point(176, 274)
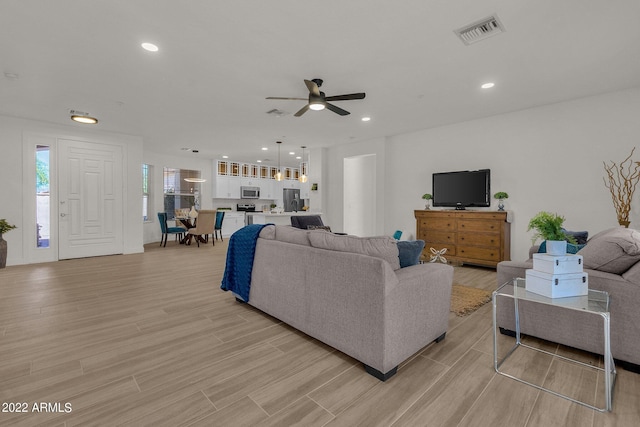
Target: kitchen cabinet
point(232, 222)
point(226, 187)
point(472, 237)
point(229, 176)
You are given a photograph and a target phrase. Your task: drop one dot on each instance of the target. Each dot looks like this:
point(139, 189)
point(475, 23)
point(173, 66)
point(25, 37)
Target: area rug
point(465, 299)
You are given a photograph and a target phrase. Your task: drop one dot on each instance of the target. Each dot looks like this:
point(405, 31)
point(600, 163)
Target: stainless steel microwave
point(249, 192)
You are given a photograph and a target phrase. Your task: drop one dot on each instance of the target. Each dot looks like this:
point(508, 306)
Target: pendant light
point(303, 178)
point(279, 173)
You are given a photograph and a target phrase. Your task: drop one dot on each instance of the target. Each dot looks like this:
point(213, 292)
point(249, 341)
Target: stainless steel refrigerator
point(291, 200)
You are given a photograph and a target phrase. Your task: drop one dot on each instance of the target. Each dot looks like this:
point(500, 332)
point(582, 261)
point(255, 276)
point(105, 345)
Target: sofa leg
point(507, 332)
point(441, 337)
point(240, 301)
point(379, 375)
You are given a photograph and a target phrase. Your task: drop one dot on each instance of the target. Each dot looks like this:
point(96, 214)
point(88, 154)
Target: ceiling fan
point(318, 100)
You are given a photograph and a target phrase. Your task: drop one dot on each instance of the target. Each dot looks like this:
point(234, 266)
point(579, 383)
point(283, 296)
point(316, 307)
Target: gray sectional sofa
point(351, 294)
point(612, 260)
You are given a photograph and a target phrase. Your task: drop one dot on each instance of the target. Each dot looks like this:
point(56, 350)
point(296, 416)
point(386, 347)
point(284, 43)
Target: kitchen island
point(275, 218)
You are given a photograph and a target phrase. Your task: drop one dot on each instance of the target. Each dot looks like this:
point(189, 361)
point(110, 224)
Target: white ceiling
point(218, 60)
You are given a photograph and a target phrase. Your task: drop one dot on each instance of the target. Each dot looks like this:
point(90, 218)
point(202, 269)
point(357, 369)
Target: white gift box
point(557, 264)
point(557, 285)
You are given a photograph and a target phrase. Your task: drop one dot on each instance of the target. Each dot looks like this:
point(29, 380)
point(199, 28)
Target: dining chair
point(178, 231)
point(218, 227)
point(205, 225)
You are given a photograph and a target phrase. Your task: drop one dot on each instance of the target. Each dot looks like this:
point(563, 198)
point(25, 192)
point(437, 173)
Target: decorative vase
point(556, 247)
point(3, 252)
point(501, 204)
point(426, 205)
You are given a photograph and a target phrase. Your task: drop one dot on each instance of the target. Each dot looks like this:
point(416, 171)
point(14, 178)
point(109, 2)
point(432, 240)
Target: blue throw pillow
point(409, 252)
point(571, 248)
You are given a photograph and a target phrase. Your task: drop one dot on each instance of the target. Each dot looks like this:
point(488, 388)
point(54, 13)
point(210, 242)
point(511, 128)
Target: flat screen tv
point(462, 189)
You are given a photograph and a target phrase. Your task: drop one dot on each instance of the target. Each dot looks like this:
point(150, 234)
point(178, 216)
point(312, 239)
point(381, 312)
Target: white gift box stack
point(557, 276)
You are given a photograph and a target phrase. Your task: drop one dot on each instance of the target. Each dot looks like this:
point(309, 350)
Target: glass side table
point(597, 303)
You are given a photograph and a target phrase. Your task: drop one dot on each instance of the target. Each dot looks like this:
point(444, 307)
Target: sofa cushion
point(613, 251)
point(409, 252)
point(381, 247)
point(268, 232)
point(289, 234)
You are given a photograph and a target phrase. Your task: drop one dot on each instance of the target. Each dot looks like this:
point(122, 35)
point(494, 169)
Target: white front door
point(90, 210)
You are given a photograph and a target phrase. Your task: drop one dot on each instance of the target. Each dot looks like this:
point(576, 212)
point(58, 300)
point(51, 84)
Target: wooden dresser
point(471, 237)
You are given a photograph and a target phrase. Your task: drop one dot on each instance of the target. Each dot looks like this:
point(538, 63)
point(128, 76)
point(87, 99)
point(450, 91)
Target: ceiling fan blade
point(292, 99)
point(302, 111)
point(336, 110)
point(313, 87)
point(347, 97)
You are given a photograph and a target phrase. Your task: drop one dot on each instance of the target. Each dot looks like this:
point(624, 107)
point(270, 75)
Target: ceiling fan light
point(316, 106)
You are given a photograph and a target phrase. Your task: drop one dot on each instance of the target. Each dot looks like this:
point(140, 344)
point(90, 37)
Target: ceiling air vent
point(480, 30)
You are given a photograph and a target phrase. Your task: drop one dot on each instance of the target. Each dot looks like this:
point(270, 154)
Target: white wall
point(16, 136)
point(547, 158)
point(334, 181)
point(360, 195)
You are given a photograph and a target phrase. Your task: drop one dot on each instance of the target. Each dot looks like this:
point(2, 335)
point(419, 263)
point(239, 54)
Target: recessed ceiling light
point(259, 161)
point(150, 47)
point(292, 153)
point(225, 157)
point(12, 76)
point(265, 149)
point(365, 119)
point(488, 85)
point(298, 157)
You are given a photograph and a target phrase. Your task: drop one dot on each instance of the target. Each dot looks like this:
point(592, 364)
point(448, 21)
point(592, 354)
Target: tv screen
point(462, 189)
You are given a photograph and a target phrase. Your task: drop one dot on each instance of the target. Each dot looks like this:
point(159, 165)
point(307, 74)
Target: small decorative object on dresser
point(4, 227)
point(501, 195)
point(427, 197)
point(548, 227)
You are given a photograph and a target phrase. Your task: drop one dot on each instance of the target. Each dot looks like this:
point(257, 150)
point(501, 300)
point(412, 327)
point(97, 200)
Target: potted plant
point(501, 195)
point(4, 227)
point(548, 226)
point(427, 197)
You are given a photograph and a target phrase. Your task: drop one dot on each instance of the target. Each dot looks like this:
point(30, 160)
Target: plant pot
point(556, 247)
point(3, 252)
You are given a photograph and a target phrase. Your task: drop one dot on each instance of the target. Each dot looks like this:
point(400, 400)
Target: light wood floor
point(149, 339)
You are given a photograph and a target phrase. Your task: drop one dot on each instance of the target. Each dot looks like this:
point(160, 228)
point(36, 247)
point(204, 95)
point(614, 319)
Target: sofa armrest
point(508, 270)
point(417, 310)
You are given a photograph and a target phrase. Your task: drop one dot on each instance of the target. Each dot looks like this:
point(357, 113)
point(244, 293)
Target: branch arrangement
point(622, 181)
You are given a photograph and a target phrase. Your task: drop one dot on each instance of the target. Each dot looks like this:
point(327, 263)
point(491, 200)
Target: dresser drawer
point(432, 236)
point(479, 225)
point(478, 239)
point(472, 252)
point(438, 223)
